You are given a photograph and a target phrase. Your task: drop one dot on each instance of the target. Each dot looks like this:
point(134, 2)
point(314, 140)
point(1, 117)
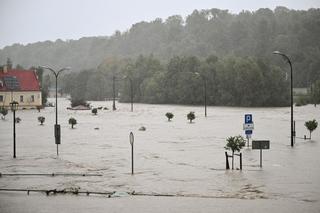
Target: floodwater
point(177, 157)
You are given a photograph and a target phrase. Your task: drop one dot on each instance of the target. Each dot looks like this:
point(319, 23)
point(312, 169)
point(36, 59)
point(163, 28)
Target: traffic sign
point(248, 126)
point(248, 132)
point(260, 144)
point(131, 138)
point(248, 118)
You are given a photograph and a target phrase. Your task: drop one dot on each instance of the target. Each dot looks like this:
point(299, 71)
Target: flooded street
point(176, 158)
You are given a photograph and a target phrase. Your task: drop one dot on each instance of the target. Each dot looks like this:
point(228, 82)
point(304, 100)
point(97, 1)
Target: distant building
point(21, 86)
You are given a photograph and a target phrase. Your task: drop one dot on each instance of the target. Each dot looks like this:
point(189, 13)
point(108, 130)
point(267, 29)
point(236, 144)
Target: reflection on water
point(170, 157)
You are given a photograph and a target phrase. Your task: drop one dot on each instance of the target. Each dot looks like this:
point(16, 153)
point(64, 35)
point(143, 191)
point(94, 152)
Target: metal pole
point(232, 159)
point(56, 98)
point(114, 93)
point(260, 158)
point(227, 161)
point(132, 159)
point(291, 91)
point(240, 161)
point(205, 97)
point(56, 127)
point(291, 103)
point(14, 133)
point(56, 75)
point(131, 90)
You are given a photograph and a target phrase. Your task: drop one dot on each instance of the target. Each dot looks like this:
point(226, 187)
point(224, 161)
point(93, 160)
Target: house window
point(32, 98)
point(21, 98)
point(1, 98)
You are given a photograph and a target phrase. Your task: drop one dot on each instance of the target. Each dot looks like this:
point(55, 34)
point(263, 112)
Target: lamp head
point(14, 105)
point(284, 56)
point(277, 52)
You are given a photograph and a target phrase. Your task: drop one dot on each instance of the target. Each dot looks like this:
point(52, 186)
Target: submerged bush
point(41, 119)
point(191, 116)
point(235, 144)
point(169, 115)
point(311, 125)
point(72, 122)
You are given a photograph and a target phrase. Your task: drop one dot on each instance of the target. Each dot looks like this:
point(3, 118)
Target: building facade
point(21, 86)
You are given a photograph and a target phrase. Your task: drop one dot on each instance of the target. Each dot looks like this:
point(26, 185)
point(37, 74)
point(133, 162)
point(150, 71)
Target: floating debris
point(120, 194)
point(142, 128)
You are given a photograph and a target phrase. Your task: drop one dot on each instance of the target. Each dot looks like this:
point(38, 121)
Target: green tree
point(191, 116)
point(202, 33)
point(169, 115)
point(41, 119)
point(72, 122)
point(44, 84)
point(95, 88)
point(311, 125)
point(235, 144)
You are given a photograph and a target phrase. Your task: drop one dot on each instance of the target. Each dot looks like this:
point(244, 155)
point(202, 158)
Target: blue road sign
point(248, 118)
point(248, 132)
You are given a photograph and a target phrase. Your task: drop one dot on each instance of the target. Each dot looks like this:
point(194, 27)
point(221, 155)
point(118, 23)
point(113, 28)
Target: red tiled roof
point(27, 79)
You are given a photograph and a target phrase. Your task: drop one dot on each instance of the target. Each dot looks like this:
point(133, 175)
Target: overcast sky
point(28, 21)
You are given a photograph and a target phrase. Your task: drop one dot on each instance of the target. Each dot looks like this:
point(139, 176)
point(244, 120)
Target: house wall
point(27, 102)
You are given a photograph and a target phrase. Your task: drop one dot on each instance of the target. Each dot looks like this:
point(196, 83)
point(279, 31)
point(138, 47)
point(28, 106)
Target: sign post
point(131, 137)
point(261, 144)
point(248, 126)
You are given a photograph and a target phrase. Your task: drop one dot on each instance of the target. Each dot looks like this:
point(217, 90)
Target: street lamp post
point(14, 106)
point(205, 97)
point(57, 131)
point(114, 93)
point(205, 93)
point(291, 92)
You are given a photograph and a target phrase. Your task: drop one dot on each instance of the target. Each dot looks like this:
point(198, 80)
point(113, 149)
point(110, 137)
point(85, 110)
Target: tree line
point(230, 81)
point(200, 34)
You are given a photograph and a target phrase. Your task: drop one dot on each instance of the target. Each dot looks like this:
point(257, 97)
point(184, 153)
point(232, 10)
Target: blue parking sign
point(248, 118)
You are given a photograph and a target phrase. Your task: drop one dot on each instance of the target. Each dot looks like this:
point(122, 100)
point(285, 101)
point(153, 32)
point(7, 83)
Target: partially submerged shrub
point(18, 120)
point(41, 119)
point(235, 144)
point(191, 116)
point(311, 125)
point(169, 115)
point(72, 122)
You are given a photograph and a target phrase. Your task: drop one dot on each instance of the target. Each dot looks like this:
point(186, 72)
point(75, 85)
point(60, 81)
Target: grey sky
point(28, 21)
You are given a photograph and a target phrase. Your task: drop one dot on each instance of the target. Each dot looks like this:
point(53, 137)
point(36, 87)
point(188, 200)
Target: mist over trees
point(232, 51)
point(200, 34)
